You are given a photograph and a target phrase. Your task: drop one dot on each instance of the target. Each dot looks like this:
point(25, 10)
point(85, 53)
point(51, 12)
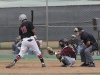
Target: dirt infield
point(53, 68)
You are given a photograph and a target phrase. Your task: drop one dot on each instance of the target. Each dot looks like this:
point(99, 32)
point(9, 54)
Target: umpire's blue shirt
point(85, 37)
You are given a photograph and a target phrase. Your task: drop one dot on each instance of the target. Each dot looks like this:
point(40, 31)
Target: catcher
point(67, 55)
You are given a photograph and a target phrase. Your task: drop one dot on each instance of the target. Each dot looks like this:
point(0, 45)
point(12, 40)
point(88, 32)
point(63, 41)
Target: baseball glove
point(50, 51)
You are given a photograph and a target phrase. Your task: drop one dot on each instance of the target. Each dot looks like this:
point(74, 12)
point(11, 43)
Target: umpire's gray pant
point(85, 54)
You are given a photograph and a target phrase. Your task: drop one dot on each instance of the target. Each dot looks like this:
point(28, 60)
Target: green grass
point(28, 59)
point(34, 60)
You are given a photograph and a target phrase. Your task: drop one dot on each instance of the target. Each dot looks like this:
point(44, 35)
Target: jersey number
point(24, 30)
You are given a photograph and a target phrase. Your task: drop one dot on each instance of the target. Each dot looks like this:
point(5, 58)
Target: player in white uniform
point(26, 32)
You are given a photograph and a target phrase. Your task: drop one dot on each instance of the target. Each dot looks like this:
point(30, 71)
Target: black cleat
point(91, 65)
point(84, 64)
point(63, 65)
point(10, 65)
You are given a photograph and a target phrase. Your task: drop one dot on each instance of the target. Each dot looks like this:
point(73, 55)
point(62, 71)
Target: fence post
point(47, 21)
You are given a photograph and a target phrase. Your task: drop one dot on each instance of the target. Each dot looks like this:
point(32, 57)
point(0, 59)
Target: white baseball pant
point(29, 44)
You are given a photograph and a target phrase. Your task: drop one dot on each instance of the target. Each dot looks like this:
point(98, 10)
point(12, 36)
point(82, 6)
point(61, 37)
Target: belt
point(29, 40)
point(27, 37)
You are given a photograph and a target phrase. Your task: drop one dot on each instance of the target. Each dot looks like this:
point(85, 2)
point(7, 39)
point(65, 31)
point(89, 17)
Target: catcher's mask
point(63, 43)
point(22, 17)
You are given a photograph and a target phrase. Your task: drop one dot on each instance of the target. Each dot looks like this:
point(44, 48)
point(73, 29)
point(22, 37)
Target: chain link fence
point(53, 21)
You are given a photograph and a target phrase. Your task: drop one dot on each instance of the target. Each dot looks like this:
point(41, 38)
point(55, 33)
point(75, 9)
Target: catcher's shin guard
point(59, 57)
point(10, 65)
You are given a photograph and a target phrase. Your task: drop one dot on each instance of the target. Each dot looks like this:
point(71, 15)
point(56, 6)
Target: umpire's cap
point(77, 29)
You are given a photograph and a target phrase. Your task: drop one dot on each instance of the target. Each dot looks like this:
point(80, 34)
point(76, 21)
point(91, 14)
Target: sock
point(17, 58)
point(41, 59)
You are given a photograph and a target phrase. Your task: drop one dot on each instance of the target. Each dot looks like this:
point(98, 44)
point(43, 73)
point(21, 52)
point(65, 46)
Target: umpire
point(90, 45)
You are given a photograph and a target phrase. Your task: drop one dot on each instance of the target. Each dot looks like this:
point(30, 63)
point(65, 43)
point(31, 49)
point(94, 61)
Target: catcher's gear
point(50, 51)
point(65, 60)
point(10, 65)
point(62, 42)
point(59, 57)
point(22, 17)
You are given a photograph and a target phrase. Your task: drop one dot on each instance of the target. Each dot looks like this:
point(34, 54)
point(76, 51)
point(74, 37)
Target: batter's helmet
point(22, 17)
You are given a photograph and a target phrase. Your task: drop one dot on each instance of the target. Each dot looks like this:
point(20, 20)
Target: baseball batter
point(26, 32)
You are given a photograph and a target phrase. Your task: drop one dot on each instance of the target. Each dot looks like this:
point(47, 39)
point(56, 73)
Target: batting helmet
point(22, 17)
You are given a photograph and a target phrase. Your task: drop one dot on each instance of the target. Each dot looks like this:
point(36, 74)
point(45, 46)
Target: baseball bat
point(32, 15)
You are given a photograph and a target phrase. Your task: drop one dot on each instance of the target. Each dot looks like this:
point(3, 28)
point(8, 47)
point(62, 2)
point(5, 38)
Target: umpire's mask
point(77, 30)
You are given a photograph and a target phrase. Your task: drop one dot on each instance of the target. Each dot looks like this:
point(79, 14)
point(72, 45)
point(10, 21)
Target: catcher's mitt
point(50, 51)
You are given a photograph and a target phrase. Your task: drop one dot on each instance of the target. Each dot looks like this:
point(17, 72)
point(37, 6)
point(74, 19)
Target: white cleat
point(43, 65)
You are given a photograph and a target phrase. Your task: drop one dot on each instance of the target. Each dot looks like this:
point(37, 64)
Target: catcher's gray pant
point(85, 54)
point(68, 60)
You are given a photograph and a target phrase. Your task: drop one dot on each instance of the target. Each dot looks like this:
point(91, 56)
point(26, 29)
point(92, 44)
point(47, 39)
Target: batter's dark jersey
point(68, 51)
point(85, 37)
point(25, 29)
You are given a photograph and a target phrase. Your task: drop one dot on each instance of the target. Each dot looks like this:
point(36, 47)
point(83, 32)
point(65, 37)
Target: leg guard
point(59, 57)
point(40, 56)
point(18, 57)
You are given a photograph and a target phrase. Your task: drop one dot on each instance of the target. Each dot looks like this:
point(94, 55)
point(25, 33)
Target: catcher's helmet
point(22, 17)
point(63, 41)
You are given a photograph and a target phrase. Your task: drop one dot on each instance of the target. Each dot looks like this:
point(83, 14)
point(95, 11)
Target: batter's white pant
point(29, 44)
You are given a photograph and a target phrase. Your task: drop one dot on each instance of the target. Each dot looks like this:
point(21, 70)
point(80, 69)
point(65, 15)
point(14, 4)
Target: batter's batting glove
point(50, 51)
